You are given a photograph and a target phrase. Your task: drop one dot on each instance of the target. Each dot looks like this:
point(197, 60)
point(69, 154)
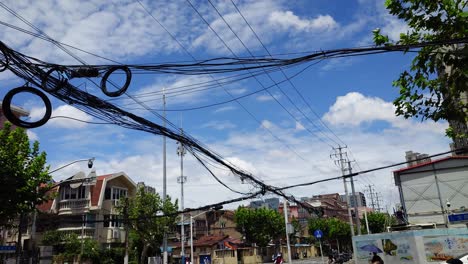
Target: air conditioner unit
point(115, 234)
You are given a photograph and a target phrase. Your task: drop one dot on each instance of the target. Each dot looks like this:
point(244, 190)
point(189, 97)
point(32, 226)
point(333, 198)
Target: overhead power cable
point(220, 84)
point(276, 84)
point(284, 74)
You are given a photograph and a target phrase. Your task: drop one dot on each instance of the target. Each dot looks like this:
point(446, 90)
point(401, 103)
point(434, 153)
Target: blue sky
point(349, 96)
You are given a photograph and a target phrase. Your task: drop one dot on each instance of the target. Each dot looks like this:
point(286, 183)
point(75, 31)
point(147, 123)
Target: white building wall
point(421, 198)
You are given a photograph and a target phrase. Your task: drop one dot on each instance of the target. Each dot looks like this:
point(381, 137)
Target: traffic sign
point(458, 218)
point(7, 249)
point(318, 233)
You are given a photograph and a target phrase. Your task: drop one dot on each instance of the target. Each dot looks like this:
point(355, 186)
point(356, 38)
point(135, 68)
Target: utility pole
point(341, 160)
point(356, 208)
point(285, 209)
point(182, 179)
point(371, 193)
point(127, 224)
point(164, 176)
point(378, 200)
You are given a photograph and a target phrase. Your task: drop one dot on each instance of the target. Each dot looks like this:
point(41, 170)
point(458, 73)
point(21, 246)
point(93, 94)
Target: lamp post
point(191, 229)
point(33, 225)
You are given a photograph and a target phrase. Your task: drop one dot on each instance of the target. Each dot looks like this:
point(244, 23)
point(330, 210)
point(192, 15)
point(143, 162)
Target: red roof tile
point(429, 163)
point(209, 240)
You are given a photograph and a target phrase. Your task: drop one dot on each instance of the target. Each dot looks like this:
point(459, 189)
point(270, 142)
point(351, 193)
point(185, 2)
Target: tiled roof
point(209, 240)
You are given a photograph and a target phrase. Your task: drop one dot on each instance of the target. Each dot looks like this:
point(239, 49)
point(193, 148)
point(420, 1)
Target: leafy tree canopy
point(438, 76)
point(332, 228)
point(149, 229)
point(259, 226)
point(378, 222)
point(22, 171)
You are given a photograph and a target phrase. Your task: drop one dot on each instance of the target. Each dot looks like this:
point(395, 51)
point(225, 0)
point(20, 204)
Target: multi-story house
point(87, 206)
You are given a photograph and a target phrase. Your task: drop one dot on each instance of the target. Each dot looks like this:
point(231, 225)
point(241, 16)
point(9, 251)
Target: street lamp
point(191, 228)
point(90, 164)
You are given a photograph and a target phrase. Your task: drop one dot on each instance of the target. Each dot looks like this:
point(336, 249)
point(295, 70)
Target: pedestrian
point(279, 259)
point(376, 259)
point(331, 259)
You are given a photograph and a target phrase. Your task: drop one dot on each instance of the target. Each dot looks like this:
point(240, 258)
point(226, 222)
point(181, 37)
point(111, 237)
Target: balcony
point(87, 232)
point(77, 206)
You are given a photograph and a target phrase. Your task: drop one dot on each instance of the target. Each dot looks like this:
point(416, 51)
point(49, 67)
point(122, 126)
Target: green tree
point(23, 174)
point(378, 222)
point(259, 226)
point(297, 230)
point(333, 229)
point(438, 76)
point(146, 225)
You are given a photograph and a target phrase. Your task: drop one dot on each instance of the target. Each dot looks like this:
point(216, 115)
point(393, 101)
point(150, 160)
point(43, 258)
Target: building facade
point(88, 206)
point(271, 203)
point(359, 197)
point(430, 191)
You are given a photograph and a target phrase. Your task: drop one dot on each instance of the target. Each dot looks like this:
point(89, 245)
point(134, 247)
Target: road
point(312, 261)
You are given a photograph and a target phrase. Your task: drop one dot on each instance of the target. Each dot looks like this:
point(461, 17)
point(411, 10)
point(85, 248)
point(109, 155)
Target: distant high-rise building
point(148, 189)
point(415, 158)
point(360, 198)
point(271, 203)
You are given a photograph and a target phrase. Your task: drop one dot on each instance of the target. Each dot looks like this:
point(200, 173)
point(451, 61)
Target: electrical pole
point(164, 176)
point(356, 208)
point(342, 162)
point(285, 209)
point(182, 179)
point(126, 230)
point(371, 193)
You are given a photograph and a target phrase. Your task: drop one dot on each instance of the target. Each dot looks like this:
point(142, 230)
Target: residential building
point(271, 203)
point(432, 190)
point(293, 210)
point(330, 204)
point(359, 197)
point(93, 200)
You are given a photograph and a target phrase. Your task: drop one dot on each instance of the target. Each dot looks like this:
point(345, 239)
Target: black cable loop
point(8, 112)
point(51, 86)
point(123, 89)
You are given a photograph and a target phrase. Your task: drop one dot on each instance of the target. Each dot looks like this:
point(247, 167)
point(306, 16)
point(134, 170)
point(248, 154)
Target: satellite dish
point(78, 176)
point(91, 178)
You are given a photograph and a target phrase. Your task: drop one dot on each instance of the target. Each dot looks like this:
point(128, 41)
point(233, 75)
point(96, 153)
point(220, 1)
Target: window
point(115, 193)
point(67, 193)
point(112, 221)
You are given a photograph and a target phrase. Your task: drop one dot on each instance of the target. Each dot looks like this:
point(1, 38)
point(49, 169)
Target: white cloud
point(267, 97)
point(354, 109)
point(267, 124)
point(69, 111)
point(287, 20)
point(219, 125)
point(299, 126)
point(224, 109)
point(32, 136)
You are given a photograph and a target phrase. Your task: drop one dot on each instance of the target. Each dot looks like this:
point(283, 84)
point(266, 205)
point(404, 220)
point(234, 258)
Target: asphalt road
point(313, 261)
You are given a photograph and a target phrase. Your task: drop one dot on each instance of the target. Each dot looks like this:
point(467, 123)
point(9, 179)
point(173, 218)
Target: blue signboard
point(7, 249)
point(458, 218)
point(318, 233)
